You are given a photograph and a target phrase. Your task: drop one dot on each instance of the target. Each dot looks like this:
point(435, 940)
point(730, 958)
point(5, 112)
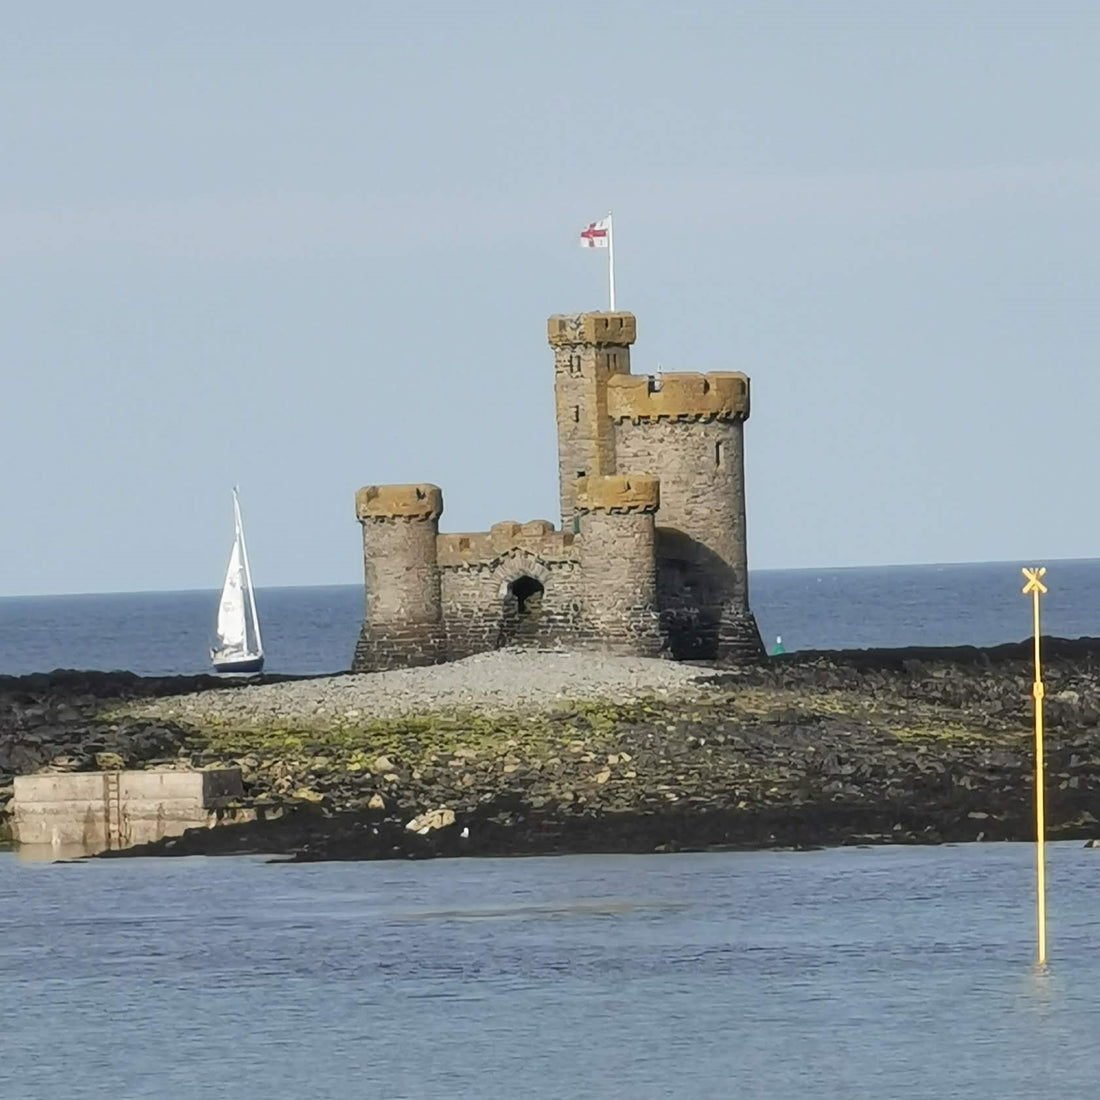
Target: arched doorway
point(528, 596)
point(522, 611)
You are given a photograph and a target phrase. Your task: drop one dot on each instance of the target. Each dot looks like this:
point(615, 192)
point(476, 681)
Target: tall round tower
point(403, 618)
point(689, 428)
point(589, 348)
point(618, 562)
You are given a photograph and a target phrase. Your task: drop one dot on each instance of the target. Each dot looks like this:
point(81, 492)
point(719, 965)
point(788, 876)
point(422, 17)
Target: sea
point(839, 974)
point(308, 630)
point(854, 973)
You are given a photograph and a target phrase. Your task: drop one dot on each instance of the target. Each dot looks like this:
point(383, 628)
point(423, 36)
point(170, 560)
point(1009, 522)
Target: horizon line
point(357, 584)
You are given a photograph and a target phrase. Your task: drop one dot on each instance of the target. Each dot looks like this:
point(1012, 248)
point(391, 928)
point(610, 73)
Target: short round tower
point(618, 562)
point(403, 618)
point(690, 429)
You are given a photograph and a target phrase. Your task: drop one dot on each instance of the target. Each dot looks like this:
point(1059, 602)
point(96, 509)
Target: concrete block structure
point(95, 811)
point(651, 555)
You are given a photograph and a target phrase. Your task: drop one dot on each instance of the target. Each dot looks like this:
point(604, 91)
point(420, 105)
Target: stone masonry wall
point(618, 563)
point(402, 620)
point(589, 348)
point(702, 557)
point(490, 587)
point(481, 610)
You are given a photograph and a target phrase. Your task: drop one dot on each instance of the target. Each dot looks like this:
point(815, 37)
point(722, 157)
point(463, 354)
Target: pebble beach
point(503, 680)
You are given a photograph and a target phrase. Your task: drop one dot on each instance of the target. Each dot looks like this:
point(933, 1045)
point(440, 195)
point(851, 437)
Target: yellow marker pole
point(1033, 588)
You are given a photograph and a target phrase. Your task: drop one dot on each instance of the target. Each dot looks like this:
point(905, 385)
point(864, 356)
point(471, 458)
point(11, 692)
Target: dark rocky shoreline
point(810, 749)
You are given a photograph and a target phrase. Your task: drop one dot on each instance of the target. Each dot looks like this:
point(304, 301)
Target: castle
point(650, 558)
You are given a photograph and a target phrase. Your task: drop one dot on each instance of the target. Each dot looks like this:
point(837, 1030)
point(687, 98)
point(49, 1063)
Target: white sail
point(231, 610)
point(235, 649)
point(259, 650)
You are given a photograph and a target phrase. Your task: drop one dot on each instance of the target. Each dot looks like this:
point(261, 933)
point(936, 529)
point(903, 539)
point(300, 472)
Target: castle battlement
point(374, 502)
point(537, 537)
point(593, 329)
point(650, 558)
point(720, 395)
point(618, 493)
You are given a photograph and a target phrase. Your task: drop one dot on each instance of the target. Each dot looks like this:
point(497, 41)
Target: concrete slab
point(99, 810)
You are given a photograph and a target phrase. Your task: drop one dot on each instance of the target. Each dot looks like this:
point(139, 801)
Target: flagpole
point(611, 259)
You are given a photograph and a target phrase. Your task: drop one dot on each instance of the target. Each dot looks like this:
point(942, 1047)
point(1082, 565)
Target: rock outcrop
point(916, 746)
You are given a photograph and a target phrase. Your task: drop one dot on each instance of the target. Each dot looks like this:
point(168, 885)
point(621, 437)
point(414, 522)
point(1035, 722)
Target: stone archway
point(522, 610)
point(522, 580)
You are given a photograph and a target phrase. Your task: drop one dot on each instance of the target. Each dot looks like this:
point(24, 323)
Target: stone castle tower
point(651, 555)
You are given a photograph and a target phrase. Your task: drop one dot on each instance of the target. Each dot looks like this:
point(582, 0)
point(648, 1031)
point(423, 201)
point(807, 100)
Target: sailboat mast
point(247, 572)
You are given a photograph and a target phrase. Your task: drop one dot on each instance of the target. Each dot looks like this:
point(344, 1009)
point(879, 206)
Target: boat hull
point(237, 664)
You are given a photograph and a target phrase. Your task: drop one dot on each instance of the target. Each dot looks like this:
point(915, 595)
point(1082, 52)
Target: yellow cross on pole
point(1033, 588)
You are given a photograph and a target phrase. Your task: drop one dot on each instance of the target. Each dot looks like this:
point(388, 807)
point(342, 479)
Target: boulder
point(433, 819)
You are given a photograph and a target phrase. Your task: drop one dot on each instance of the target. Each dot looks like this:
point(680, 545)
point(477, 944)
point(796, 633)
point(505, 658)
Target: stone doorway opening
point(522, 611)
point(528, 594)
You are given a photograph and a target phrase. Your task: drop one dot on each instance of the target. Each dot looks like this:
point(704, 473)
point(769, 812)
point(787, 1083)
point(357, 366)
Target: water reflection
point(55, 853)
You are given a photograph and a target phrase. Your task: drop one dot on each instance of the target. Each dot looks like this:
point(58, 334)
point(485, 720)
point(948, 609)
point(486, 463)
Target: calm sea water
point(828, 975)
point(314, 629)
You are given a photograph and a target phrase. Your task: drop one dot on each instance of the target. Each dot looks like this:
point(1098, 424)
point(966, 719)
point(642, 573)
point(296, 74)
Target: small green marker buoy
point(778, 647)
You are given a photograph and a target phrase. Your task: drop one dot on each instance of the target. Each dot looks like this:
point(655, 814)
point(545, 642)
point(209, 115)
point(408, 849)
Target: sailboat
point(235, 650)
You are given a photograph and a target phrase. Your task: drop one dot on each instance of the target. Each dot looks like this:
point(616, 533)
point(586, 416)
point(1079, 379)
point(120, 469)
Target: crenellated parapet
point(720, 395)
point(388, 502)
point(536, 538)
point(618, 493)
point(593, 329)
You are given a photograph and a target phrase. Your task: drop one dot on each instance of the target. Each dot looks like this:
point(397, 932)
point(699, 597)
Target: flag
point(598, 234)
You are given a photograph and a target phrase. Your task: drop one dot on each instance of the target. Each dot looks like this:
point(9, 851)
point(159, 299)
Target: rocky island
point(528, 752)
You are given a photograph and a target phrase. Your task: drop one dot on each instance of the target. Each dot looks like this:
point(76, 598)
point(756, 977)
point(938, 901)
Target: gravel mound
point(506, 679)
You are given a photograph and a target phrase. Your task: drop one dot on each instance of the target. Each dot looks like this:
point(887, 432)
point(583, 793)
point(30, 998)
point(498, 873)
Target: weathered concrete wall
point(99, 810)
point(690, 428)
point(589, 348)
point(618, 563)
point(403, 617)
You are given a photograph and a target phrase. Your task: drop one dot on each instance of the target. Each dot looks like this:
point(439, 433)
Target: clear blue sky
point(311, 247)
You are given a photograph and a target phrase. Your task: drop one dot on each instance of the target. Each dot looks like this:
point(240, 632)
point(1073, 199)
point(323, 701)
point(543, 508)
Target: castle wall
point(482, 612)
point(589, 348)
point(402, 620)
point(490, 582)
point(689, 428)
point(618, 563)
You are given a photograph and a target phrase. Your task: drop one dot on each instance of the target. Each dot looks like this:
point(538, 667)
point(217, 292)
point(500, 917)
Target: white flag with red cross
point(598, 234)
